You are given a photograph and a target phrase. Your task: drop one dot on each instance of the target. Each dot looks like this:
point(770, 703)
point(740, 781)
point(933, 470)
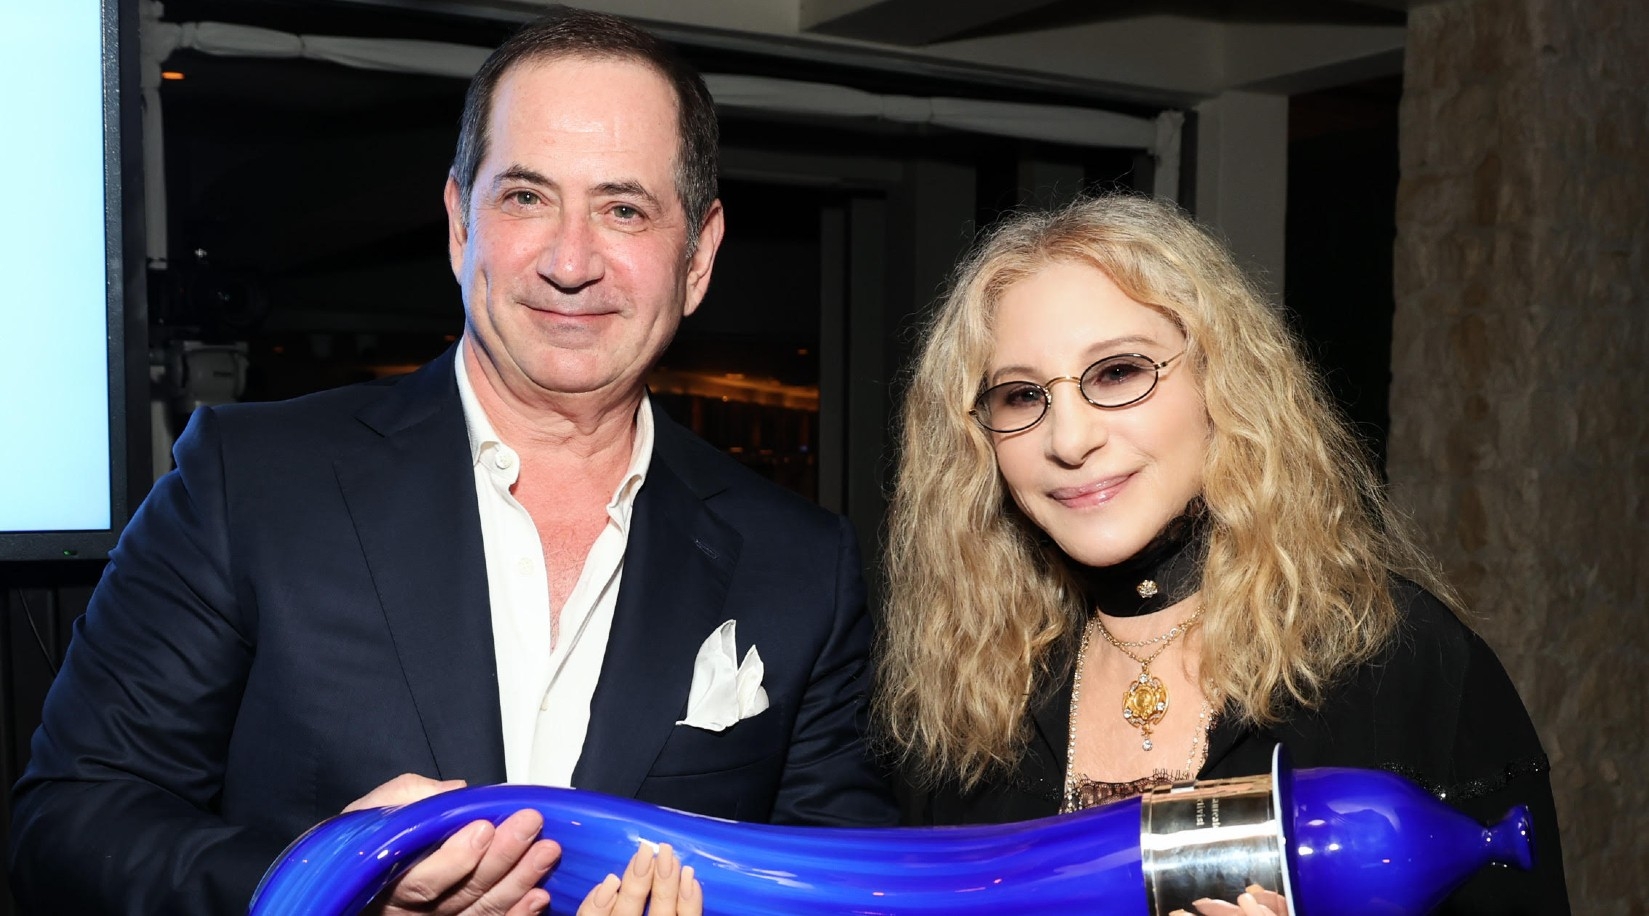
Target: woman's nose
point(1074, 428)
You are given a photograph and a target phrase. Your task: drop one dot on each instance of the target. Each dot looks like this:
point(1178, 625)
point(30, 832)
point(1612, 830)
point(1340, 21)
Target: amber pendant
point(1145, 703)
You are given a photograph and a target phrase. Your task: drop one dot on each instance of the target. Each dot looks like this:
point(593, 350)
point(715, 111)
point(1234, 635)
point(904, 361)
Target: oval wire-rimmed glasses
point(1112, 382)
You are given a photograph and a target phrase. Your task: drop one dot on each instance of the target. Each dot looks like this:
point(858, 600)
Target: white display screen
point(56, 467)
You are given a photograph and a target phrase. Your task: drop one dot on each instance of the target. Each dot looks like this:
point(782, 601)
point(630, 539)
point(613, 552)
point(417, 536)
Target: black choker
point(1167, 571)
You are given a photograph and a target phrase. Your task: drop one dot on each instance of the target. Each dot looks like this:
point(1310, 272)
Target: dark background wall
point(38, 605)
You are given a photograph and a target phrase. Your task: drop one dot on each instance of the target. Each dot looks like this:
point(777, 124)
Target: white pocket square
point(725, 690)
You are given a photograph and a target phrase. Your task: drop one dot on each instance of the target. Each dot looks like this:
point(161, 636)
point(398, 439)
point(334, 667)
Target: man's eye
point(522, 198)
point(626, 212)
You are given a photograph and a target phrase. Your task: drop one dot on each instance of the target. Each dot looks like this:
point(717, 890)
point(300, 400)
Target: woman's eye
point(1021, 395)
point(1117, 373)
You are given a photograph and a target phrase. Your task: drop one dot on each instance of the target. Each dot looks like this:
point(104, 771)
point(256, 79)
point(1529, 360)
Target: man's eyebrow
point(521, 173)
point(623, 188)
point(628, 189)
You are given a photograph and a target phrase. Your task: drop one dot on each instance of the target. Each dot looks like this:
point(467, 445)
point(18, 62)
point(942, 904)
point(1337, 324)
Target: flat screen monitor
point(70, 274)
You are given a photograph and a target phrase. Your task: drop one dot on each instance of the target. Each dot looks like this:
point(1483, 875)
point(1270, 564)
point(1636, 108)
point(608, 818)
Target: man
point(501, 567)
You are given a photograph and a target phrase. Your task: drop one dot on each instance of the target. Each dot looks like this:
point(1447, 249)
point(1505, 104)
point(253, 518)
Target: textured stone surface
point(1520, 400)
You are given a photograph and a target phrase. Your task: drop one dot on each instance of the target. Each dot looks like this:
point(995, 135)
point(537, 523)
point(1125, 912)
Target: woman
point(1131, 542)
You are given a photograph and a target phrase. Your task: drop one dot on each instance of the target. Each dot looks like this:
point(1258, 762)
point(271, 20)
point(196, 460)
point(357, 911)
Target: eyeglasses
point(1115, 381)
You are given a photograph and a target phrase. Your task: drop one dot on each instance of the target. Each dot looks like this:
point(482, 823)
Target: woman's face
point(1101, 482)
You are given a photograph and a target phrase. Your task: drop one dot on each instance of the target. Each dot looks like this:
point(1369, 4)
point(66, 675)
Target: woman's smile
point(1097, 493)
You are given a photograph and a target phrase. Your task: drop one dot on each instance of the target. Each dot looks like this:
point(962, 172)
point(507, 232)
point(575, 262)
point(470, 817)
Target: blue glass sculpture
point(1333, 841)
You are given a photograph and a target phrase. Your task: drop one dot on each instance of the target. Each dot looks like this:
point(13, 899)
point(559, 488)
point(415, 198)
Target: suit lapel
point(410, 492)
point(677, 566)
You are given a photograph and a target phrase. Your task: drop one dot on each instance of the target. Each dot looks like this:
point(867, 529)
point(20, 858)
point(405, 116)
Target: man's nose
point(1074, 428)
point(573, 258)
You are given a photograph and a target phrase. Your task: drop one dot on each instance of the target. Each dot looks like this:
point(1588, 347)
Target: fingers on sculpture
point(1316, 841)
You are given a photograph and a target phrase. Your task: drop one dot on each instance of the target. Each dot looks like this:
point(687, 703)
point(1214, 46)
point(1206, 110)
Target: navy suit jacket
point(299, 613)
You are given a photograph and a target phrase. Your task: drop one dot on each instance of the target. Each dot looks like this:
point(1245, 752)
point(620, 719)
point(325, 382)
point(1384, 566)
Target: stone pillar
point(1242, 178)
point(1520, 399)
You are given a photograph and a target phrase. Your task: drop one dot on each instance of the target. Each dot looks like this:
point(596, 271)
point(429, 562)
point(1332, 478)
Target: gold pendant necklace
point(1082, 792)
point(1146, 700)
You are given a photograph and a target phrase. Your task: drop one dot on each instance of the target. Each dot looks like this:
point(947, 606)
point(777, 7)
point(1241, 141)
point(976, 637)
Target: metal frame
point(127, 314)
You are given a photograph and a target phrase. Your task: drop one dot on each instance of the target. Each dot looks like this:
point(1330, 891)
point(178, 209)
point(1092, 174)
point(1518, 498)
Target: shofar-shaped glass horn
point(1332, 841)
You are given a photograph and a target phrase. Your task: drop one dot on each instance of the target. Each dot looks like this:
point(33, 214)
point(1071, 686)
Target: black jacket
point(1436, 707)
point(300, 612)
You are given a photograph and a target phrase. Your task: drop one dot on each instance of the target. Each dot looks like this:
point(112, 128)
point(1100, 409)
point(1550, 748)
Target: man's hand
point(481, 870)
point(404, 790)
point(484, 870)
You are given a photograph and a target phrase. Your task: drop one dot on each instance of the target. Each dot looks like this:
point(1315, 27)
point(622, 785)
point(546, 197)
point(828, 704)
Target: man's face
point(573, 262)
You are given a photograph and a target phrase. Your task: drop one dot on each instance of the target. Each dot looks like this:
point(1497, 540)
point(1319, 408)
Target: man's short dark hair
point(573, 33)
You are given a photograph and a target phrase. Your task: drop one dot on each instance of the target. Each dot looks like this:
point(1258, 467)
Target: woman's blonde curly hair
point(1301, 540)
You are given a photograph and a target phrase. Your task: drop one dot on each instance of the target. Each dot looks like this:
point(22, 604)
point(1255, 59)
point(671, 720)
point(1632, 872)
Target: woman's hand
point(653, 884)
point(1257, 902)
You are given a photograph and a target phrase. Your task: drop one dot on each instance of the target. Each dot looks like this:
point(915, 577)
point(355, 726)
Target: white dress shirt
point(545, 680)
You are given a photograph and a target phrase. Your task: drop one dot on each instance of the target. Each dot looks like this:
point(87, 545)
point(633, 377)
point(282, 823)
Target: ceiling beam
point(1401, 6)
point(1291, 58)
point(907, 22)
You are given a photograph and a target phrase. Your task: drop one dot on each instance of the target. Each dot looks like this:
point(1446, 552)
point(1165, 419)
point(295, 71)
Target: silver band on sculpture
point(1210, 839)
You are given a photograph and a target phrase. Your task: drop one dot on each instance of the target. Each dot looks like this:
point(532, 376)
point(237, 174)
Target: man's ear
point(457, 225)
point(704, 257)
